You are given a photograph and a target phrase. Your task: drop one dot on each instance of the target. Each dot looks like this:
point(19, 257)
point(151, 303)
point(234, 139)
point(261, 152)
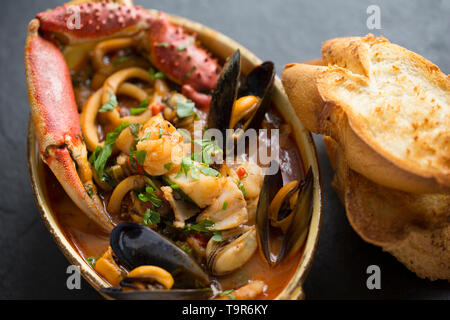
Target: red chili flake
point(157, 108)
point(241, 172)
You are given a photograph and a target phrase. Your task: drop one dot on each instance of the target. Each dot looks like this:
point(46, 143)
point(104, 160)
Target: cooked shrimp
point(163, 145)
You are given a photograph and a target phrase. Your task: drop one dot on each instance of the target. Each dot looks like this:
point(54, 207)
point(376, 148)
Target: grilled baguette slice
point(387, 107)
point(415, 228)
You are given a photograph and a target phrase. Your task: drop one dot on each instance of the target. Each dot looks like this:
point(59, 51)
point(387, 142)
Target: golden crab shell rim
point(215, 42)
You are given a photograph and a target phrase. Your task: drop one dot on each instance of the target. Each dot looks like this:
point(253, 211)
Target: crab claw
point(57, 124)
point(175, 52)
point(171, 49)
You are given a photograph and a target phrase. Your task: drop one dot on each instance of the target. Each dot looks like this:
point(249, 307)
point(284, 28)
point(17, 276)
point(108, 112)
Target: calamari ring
point(101, 75)
point(276, 204)
point(127, 185)
point(88, 120)
point(106, 46)
point(112, 85)
point(90, 111)
point(154, 273)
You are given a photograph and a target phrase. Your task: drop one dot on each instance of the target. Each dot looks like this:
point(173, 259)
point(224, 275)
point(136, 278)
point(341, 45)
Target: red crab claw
point(176, 53)
point(172, 49)
point(57, 124)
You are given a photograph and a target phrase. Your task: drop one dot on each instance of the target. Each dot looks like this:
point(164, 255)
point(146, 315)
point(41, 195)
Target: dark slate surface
point(31, 266)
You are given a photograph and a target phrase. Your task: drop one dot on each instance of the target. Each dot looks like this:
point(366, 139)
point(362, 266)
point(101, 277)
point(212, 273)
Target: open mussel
point(157, 264)
point(235, 250)
point(241, 106)
point(287, 208)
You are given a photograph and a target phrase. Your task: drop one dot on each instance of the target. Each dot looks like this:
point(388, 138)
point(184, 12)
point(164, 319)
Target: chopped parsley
point(225, 206)
point(189, 74)
point(121, 60)
point(89, 191)
point(149, 196)
point(161, 132)
point(168, 166)
point(110, 105)
point(187, 165)
point(185, 46)
point(156, 75)
point(137, 111)
point(151, 218)
point(163, 44)
point(217, 237)
point(185, 108)
point(92, 261)
point(226, 293)
point(205, 226)
point(141, 109)
point(209, 150)
point(241, 186)
point(100, 156)
point(137, 158)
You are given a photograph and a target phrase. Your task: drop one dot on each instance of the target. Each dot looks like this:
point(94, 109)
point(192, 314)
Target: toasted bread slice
point(415, 228)
point(386, 106)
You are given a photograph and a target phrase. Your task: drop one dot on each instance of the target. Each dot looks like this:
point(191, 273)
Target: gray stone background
point(284, 31)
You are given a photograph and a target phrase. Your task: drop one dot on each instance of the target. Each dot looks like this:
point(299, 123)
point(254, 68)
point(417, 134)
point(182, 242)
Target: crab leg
point(57, 124)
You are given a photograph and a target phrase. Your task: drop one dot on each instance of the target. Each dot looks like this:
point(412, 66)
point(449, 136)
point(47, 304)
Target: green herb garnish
point(209, 150)
point(185, 46)
point(150, 196)
point(217, 237)
point(187, 165)
point(89, 191)
point(189, 74)
point(121, 60)
point(185, 108)
point(226, 293)
point(110, 105)
point(161, 132)
point(151, 218)
point(101, 155)
point(225, 206)
point(205, 226)
point(241, 186)
point(156, 75)
point(163, 44)
point(168, 166)
point(137, 111)
point(92, 261)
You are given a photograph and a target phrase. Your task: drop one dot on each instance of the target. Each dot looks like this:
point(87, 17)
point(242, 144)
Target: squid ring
point(88, 121)
point(91, 108)
point(109, 45)
point(154, 273)
point(112, 85)
point(127, 185)
point(101, 75)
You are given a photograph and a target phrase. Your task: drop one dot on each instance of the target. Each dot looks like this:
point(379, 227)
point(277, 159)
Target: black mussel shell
point(259, 83)
point(135, 245)
point(269, 189)
point(225, 95)
point(298, 230)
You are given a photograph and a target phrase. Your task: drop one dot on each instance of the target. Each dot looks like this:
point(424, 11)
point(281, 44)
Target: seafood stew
point(160, 208)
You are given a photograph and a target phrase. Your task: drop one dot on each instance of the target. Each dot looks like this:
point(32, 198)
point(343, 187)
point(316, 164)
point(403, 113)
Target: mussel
point(292, 217)
point(135, 246)
point(241, 106)
point(236, 248)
